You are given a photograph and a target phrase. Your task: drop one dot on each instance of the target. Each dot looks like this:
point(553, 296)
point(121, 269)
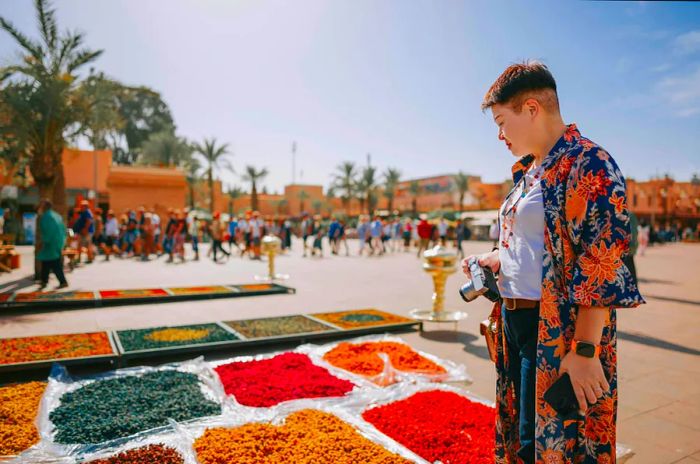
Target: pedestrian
point(256, 234)
point(111, 235)
point(442, 231)
point(424, 232)
point(375, 232)
point(84, 227)
point(50, 248)
point(216, 230)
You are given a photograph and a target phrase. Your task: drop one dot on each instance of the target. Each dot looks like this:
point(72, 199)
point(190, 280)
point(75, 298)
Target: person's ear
point(532, 107)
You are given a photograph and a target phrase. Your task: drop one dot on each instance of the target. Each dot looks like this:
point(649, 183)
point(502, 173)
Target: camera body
point(483, 283)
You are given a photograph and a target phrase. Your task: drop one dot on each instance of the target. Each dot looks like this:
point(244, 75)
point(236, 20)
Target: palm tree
point(214, 156)
point(165, 149)
point(317, 205)
point(254, 176)
point(415, 189)
point(234, 193)
point(303, 196)
point(40, 96)
point(366, 187)
point(282, 206)
point(391, 180)
point(344, 181)
point(461, 181)
point(192, 168)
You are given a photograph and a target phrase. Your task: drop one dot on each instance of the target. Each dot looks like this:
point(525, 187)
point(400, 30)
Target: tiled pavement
point(659, 343)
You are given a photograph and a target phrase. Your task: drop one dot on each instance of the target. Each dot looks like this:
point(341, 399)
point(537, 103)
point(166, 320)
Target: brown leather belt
point(520, 303)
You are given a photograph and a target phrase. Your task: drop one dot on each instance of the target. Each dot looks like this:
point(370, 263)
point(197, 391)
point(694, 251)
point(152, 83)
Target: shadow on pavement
point(657, 343)
point(451, 336)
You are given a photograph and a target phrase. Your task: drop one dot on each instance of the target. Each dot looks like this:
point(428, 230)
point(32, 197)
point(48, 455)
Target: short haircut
point(520, 81)
point(47, 203)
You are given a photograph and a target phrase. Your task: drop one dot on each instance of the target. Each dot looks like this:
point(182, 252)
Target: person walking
point(50, 249)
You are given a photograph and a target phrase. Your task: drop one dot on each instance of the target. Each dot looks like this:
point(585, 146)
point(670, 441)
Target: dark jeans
point(55, 265)
point(216, 246)
point(521, 336)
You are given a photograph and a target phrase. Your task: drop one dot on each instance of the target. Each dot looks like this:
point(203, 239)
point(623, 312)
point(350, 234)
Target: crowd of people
point(143, 234)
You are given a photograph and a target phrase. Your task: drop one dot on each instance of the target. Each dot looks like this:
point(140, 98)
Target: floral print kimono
point(587, 232)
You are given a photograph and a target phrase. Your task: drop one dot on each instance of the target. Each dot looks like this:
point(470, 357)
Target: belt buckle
point(514, 302)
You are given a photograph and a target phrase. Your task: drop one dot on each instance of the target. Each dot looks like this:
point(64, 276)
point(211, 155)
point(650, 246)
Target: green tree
point(367, 189)
point(461, 182)
point(40, 93)
point(345, 182)
point(215, 158)
point(254, 176)
point(165, 149)
point(415, 190)
point(391, 180)
point(103, 124)
point(317, 205)
point(234, 193)
point(282, 206)
point(303, 196)
point(192, 170)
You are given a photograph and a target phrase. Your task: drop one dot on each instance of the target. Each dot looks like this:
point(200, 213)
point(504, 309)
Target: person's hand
point(587, 378)
point(489, 260)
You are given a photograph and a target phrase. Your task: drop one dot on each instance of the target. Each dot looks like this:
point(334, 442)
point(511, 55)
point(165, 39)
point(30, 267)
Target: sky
point(400, 80)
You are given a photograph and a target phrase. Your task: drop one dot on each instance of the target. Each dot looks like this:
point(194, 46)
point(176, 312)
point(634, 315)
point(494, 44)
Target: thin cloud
point(687, 43)
point(682, 93)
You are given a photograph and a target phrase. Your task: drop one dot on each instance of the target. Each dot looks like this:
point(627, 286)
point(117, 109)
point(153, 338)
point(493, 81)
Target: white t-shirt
point(520, 275)
point(442, 228)
point(112, 227)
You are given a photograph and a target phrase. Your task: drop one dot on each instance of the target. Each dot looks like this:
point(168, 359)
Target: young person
point(564, 232)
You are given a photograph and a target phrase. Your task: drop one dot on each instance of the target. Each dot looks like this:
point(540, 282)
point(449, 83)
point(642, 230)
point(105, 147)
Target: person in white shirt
point(256, 231)
point(155, 220)
point(442, 231)
point(111, 235)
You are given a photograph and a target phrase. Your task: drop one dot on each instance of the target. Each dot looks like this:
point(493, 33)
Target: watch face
point(585, 349)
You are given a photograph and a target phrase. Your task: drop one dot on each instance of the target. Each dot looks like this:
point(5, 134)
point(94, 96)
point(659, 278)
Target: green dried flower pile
point(119, 407)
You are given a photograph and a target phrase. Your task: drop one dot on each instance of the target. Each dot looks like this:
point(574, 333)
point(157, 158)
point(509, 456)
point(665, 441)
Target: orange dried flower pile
point(18, 408)
point(364, 359)
point(307, 436)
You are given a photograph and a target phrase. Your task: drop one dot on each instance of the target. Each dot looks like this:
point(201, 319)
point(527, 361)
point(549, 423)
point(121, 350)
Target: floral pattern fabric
point(587, 233)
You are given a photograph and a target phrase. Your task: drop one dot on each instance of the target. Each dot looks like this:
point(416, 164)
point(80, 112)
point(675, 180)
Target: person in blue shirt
point(232, 224)
point(375, 231)
point(84, 227)
point(333, 235)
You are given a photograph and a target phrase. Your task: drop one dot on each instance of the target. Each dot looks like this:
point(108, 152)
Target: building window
point(634, 200)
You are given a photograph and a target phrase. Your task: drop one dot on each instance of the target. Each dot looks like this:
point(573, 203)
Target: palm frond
point(33, 48)
point(81, 58)
point(47, 23)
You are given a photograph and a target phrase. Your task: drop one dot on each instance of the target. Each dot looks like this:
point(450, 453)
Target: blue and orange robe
point(587, 233)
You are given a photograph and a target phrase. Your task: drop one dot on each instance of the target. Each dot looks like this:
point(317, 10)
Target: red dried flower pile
point(439, 426)
point(288, 376)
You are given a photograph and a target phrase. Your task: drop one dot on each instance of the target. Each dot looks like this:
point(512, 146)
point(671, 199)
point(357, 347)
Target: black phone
point(562, 398)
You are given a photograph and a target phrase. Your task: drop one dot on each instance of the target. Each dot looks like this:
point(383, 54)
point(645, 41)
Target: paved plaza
point(658, 350)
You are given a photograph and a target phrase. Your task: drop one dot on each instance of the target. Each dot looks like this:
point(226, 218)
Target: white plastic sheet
point(60, 383)
point(276, 416)
point(232, 404)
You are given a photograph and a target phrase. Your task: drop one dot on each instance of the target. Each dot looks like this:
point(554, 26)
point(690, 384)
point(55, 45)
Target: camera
point(483, 283)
